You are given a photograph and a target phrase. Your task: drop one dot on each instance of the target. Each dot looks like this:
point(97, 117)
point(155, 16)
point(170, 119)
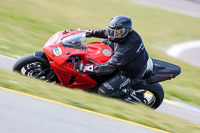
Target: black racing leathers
point(130, 56)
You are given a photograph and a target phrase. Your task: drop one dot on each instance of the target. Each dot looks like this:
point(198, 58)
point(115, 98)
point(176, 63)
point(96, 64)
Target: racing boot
point(130, 95)
point(125, 95)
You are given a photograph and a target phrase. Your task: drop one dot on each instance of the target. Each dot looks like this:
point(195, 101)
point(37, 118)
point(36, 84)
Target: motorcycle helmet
point(119, 27)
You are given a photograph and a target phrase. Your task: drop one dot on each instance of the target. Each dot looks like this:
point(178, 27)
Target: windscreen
point(75, 41)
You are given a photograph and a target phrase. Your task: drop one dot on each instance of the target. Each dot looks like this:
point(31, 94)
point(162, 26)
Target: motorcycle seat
point(149, 69)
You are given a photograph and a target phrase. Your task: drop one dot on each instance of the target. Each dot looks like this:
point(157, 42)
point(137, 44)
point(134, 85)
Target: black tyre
point(158, 94)
point(152, 95)
point(30, 66)
point(23, 62)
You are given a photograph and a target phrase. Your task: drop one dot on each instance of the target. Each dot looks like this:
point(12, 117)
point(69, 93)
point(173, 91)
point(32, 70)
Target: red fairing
point(95, 53)
point(59, 55)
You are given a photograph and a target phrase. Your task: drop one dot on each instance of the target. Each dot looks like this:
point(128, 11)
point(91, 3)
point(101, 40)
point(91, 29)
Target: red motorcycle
point(57, 64)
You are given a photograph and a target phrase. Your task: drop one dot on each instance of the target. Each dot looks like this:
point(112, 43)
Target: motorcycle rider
point(130, 57)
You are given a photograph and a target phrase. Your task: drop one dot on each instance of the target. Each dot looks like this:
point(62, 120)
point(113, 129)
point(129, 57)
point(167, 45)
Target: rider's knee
point(103, 90)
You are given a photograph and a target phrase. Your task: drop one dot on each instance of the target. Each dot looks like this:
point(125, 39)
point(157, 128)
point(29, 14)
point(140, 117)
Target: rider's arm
point(120, 58)
point(111, 65)
point(105, 68)
point(101, 33)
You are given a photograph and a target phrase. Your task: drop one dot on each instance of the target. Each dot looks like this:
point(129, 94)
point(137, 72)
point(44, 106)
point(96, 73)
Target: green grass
point(25, 25)
point(135, 113)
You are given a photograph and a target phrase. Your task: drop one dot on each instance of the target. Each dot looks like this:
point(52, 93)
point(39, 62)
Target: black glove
point(80, 67)
point(88, 33)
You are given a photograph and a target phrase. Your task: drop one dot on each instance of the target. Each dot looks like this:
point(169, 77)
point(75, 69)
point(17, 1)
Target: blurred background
point(27, 24)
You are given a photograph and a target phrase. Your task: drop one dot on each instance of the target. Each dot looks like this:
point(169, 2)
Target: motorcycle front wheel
point(30, 66)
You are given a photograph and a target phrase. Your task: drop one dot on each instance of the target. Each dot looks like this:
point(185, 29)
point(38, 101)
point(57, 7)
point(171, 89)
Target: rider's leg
point(115, 86)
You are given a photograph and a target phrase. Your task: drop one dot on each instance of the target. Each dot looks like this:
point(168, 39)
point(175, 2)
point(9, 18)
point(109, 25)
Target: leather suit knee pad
point(103, 90)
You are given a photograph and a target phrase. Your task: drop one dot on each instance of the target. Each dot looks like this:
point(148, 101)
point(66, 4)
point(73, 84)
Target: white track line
point(176, 49)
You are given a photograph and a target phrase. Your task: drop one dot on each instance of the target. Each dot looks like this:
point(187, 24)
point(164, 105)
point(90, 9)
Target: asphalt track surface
point(186, 7)
point(20, 113)
point(191, 56)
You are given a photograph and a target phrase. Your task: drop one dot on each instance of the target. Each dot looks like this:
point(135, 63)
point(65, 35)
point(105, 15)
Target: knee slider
point(104, 91)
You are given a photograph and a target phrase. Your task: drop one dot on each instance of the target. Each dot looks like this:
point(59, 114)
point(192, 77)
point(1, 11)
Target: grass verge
point(135, 113)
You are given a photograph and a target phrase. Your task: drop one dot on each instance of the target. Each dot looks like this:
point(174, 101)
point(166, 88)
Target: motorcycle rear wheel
point(153, 96)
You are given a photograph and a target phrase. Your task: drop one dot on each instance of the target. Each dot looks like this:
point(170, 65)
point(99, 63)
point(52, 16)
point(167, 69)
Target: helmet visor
point(117, 33)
